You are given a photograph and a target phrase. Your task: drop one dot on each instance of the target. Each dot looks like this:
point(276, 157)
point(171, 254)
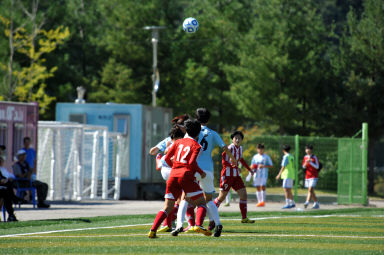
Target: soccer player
point(261, 162)
point(175, 134)
point(230, 176)
point(311, 166)
point(182, 178)
point(177, 122)
point(208, 139)
point(287, 173)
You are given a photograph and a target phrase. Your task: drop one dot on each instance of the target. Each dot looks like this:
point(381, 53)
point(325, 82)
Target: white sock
point(259, 196)
point(212, 210)
point(291, 202)
point(306, 202)
point(181, 213)
point(228, 198)
point(264, 195)
point(287, 201)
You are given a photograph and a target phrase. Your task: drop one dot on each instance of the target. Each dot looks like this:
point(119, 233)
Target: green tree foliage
point(26, 82)
point(282, 67)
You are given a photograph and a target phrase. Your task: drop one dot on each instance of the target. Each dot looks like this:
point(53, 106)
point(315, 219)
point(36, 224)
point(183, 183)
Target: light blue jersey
point(208, 139)
point(263, 159)
point(163, 144)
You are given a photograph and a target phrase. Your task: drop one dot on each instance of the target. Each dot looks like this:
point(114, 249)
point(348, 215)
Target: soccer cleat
point(286, 207)
point(306, 205)
point(261, 204)
point(189, 229)
point(246, 220)
point(316, 206)
point(211, 225)
point(152, 234)
point(158, 161)
point(177, 231)
point(293, 205)
point(201, 229)
point(218, 230)
point(226, 204)
point(165, 229)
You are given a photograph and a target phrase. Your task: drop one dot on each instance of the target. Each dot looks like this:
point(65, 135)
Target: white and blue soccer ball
point(190, 25)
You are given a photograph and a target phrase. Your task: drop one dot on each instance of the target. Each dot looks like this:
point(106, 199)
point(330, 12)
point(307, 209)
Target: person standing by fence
point(287, 173)
point(311, 166)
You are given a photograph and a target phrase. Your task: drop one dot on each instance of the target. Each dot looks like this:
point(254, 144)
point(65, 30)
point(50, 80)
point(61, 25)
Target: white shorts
point(260, 181)
point(165, 172)
point(310, 182)
point(206, 183)
point(287, 183)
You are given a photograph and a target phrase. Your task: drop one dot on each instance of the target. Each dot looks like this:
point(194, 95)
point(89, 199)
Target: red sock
point(191, 215)
point(217, 202)
point(200, 215)
point(161, 215)
point(243, 208)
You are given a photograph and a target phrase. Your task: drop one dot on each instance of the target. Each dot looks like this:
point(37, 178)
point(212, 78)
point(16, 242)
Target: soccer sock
point(291, 202)
point(191, 215)
point(287, 201)
point(228, 198)
point(200, 214)
point(161, 215)
point(264, 195)
point(174, 212)
point(243, 208)
point(259, 196)
point(217, 202)
point(213, 211)
point(181, 214)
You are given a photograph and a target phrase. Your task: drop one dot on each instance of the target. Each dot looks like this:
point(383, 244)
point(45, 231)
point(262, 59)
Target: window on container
point(18, 135)
point(3, 134)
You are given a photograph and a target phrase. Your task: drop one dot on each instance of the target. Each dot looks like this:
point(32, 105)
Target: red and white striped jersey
point(228, 169)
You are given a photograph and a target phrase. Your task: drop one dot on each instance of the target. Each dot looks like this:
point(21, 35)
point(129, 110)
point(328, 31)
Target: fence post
point(297, 152)
point(95, 169)
point(365, 162)
point(105, 165)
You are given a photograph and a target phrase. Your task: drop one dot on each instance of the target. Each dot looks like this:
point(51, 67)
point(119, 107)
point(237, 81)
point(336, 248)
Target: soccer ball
point(190, 25)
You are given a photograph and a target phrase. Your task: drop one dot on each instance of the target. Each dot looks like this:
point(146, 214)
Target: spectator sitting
point(21, 169)
point(9, 183)
point(6, 191)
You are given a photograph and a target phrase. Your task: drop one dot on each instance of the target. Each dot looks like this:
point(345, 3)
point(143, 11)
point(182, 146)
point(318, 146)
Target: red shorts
point(186, 183)
point(228, 182)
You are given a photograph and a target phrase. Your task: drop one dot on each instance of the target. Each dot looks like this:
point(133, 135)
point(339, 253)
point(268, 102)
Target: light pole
point(155, 75)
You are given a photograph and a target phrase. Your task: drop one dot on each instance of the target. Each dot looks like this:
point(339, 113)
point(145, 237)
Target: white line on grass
point(223, 235)
point(148, 224)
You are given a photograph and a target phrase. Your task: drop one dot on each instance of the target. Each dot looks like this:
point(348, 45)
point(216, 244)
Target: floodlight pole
point(155, 75)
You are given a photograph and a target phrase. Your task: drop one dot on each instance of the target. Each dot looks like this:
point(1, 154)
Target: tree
point(26, 82)
point(282, 67)
point(360, 61)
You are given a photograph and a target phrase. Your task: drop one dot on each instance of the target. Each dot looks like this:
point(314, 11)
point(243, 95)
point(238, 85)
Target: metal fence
point(80, 161)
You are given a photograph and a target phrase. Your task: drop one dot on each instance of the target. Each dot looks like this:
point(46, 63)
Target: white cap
point(21, 152)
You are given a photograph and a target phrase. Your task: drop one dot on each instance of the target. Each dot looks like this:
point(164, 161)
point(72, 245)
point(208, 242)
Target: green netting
point(351, 175)
point(338, 155)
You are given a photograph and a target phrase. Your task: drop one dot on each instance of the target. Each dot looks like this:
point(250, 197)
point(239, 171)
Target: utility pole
point(156, 74)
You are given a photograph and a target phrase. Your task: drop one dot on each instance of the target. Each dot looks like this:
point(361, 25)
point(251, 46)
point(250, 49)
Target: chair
point(20, 189)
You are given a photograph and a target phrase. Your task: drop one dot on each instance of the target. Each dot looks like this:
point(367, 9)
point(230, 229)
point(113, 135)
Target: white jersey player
point(261, 162)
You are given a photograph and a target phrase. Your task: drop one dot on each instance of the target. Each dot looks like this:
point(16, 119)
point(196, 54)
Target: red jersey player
point(182, 178)
point(230, 176)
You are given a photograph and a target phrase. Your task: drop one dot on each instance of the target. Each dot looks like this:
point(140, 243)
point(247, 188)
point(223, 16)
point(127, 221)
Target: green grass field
point(344, 231)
